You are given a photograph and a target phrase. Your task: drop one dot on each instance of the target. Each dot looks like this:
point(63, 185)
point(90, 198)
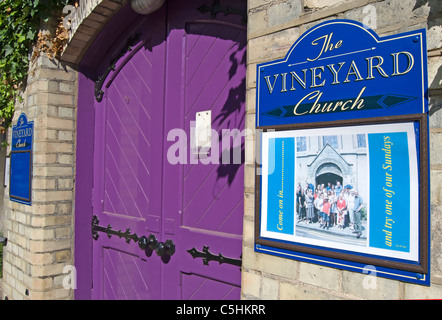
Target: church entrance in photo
point(327, 178)
point(328, 173)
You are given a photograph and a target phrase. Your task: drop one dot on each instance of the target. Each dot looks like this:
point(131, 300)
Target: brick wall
point(273, 26)
point(40, 238)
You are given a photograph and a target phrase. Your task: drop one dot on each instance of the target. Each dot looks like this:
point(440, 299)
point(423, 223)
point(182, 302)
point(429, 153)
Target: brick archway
point(89, 19)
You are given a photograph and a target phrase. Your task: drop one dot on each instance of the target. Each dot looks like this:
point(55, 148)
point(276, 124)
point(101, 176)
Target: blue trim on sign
point(412, 277)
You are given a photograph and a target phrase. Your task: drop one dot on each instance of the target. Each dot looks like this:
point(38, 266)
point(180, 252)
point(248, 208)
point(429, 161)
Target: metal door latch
point(207, 256)
point(144, 243)
point(110, 232)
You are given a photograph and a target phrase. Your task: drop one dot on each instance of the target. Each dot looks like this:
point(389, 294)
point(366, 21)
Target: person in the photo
point(319, 201)
point(299, 201)
point(350, 207)
point(309, 206)
point(333, 209)
point(338, 188)
point(342, 211)
point(326, 213)
point(358, 205)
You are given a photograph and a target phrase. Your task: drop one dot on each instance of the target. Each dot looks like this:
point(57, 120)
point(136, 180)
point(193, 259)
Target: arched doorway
point(160, 230)
point(327, 178)
point(328, 173)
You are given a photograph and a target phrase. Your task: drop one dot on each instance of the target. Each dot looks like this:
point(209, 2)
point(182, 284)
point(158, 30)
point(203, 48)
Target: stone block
point(251, 284)
point(249, 206)
point(39, 246)
point(47, 270)
point(67, 159)
point(270, 289)
point(435, 73)
point(272, 46)
point(51, 147)
point(51, 220)
point(436, 186)
point(320, 276)
point(40, 234)
point(43, 184)
point(62, 124)
point(33, 283)
point(256, 21)
point(249, 178)
point(319, 4)
point(39, 258)
point(249, 233)
point(253, 4)
point(299, 291)
point(369, 286)
point(422, 292)
point(251, 101)
point(64, 255)
point(272, 265)
point(53, 195)
point(65, 135)
point(284, 12)
point(57, 74)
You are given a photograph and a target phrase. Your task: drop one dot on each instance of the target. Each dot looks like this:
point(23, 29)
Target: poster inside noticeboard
point(348, 191)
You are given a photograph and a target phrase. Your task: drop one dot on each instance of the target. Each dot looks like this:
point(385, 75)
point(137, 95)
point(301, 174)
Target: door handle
point(166, 248)
point(149, 242)
point(163, 249)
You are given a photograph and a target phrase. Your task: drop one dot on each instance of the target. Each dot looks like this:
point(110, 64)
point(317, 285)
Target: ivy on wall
point(20, 21)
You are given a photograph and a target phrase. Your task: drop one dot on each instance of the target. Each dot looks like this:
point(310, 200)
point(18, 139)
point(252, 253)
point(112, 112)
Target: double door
point(162, 228)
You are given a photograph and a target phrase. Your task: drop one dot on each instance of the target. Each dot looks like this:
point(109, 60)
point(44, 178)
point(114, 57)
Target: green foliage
point(19, 24)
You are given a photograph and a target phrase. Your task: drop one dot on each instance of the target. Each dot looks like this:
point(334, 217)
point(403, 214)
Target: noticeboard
point(20, 186)
point(342, 154)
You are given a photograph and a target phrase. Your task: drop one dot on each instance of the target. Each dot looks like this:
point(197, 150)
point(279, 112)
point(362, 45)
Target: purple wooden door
point(182, 61)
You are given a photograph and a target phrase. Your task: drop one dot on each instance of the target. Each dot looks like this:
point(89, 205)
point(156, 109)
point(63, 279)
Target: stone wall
point(273, 26)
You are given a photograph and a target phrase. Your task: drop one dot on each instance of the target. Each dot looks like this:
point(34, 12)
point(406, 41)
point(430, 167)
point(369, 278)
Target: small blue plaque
point(20, 186)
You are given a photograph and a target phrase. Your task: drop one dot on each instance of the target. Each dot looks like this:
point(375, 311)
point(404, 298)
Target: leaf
point(30, 35)
point(8, 50)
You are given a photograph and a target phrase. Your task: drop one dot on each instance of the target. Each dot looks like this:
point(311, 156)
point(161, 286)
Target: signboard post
point(20, 186)
point(343, 179)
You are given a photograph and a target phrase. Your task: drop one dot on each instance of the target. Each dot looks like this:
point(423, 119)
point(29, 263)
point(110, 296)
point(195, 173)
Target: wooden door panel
point(184, 62)
point(125, 276)
point(128, 165)
point(199, 288)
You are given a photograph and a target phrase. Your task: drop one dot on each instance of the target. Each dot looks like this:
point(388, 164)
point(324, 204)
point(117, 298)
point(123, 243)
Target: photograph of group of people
point(338, 184)
point(330, 206)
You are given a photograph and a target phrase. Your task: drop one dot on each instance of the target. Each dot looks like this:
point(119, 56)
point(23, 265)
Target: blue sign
point(281, 188)
point(390, 191)
point(350, 194)
point(342, 70)
point(21, 161)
